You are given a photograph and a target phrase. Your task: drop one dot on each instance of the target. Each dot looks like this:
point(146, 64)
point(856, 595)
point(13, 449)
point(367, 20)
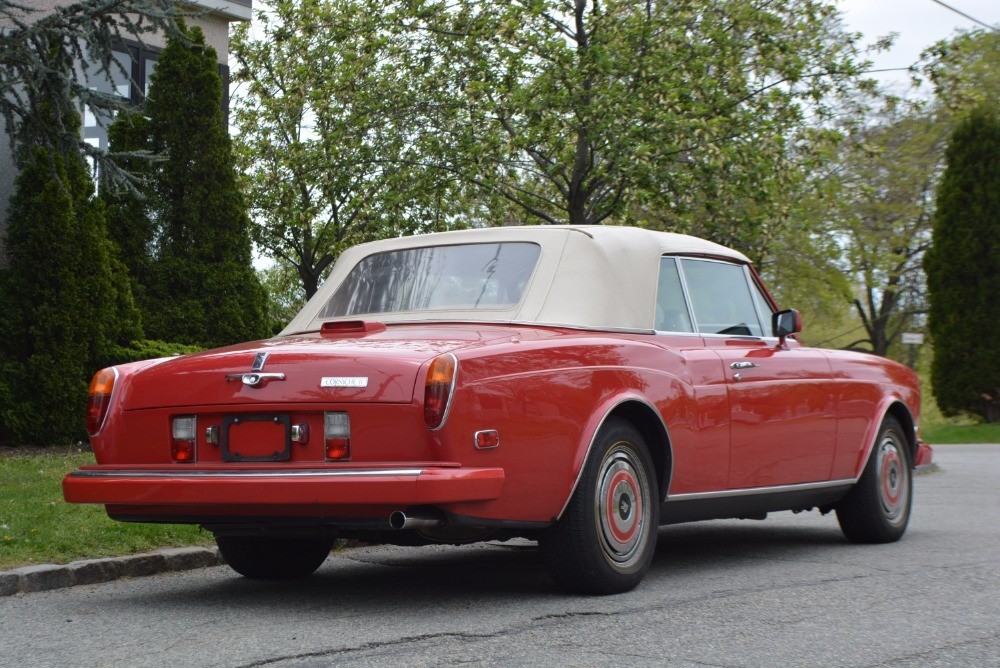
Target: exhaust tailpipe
point(400, 520)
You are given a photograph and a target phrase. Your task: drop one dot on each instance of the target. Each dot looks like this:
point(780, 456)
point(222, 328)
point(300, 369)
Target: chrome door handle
point(742, 365)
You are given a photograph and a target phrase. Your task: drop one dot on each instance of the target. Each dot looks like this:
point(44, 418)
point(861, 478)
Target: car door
point(781, 398)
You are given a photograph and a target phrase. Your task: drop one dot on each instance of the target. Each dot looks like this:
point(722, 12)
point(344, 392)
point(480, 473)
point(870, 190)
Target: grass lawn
point(962, 433)
point(38, 527)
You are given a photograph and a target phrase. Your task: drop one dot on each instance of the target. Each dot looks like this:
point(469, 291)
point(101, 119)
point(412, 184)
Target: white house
point(213, 16)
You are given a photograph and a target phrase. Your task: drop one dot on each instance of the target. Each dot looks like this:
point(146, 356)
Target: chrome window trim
point(687, 294)
point(754, 491)
point(247, 474)
point(747, 278)
point(684, 296)
point(751, 288)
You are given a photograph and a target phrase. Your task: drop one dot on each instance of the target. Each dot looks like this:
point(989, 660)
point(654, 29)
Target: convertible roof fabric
point(593, 277)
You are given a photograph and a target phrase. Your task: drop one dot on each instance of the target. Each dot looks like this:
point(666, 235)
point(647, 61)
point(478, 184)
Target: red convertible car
point(576, 385)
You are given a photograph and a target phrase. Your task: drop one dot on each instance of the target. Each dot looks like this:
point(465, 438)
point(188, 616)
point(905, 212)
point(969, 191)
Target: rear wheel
point(604, 542)
point(877, 509)
point(274, 557)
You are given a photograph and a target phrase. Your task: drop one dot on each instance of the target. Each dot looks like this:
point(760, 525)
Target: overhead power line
point(961, 13)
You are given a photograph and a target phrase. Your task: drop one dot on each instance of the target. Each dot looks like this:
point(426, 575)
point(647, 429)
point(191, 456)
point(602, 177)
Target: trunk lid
point(381, 367)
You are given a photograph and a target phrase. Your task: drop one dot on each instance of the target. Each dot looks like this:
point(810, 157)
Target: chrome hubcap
point(893, 479)
point(621, 507)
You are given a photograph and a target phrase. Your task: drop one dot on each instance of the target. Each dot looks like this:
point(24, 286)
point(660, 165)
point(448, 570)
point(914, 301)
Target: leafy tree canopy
point(876, 208)
point(965, 69)
point(327, 134)
point(677, 114)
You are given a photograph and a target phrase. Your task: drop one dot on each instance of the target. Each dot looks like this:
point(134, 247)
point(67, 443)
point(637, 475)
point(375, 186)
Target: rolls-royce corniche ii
point(580, 386)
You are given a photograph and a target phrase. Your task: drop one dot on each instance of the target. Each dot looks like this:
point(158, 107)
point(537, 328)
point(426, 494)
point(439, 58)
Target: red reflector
point(99, 398)
point(338, 448)
point(182, 451)
point(487, 439)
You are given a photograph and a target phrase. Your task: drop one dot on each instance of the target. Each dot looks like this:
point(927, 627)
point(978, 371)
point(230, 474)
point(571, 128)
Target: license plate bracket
point(249, 438)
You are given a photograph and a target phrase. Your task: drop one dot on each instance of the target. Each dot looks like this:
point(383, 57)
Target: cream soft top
point(600, 277)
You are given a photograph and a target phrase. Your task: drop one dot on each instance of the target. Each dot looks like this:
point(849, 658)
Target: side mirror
point(784, 323)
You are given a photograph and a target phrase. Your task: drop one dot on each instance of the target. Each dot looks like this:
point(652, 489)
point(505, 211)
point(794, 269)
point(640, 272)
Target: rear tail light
point(438, 390)
point(99, 398)
point(183, 439)
point(337, 432)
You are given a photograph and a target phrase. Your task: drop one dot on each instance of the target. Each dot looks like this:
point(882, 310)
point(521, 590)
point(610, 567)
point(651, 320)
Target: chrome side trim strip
point(248, 474)
point(753, 491)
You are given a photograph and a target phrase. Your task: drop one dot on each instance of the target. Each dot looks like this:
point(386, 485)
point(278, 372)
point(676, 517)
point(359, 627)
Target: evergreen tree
point(963, 271)
point(201, 287)
point(65, 304)
point(41, 48)
point(130, 225)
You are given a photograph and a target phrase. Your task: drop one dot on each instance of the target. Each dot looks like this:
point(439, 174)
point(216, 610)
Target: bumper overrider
point(343, 487)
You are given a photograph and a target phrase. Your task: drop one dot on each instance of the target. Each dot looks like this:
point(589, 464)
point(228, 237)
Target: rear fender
point(647, 420)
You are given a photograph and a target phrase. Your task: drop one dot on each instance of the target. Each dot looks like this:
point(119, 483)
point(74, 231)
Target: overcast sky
point(919, 23)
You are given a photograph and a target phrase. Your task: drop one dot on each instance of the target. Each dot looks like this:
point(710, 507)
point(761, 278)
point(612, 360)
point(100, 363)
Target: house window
point(128, 79)
point(138, 62)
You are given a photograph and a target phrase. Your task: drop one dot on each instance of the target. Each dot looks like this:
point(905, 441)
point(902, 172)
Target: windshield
point(461, 278)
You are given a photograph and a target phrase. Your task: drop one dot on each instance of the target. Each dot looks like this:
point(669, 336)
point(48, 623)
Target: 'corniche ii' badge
point(344, 381)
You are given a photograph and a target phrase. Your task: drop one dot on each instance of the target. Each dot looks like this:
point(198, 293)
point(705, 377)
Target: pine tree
point(201, 286)
point(130, 225)
point(41, 47)
point(963, 271)
point(65, 304)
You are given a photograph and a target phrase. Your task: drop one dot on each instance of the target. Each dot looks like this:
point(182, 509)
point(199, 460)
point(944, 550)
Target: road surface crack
point(931, 652)
point(555, 619)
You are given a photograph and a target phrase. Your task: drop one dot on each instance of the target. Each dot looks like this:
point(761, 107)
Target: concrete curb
point(29, 579)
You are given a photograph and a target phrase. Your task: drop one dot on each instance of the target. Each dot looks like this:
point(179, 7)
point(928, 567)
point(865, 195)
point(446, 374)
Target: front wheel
point(274, 557)
point(604, 542)
point(877, 509)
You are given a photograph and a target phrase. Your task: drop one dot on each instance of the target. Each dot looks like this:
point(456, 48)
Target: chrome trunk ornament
point(254, 379)
point(256, 376)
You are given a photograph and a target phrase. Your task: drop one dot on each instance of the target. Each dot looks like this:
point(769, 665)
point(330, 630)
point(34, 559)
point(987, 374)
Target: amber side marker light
point(99, 398)
point(439, 389)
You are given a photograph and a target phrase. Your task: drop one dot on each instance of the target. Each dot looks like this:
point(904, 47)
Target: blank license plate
point(265, 437)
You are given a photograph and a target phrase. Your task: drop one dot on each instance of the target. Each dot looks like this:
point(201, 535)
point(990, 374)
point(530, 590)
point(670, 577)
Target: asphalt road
point(788, 591)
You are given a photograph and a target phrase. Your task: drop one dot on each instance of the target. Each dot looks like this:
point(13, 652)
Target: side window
point(763, 307)
point(671, 310)
point(720, 298)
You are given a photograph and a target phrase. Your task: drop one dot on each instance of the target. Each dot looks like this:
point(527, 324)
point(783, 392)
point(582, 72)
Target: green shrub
point(963, 271)
point(64, 302)
point(147, 349)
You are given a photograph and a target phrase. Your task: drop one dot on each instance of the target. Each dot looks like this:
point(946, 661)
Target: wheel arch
point(644, 417)
point(895, 408)
point(649, 423)
point(901, 412)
